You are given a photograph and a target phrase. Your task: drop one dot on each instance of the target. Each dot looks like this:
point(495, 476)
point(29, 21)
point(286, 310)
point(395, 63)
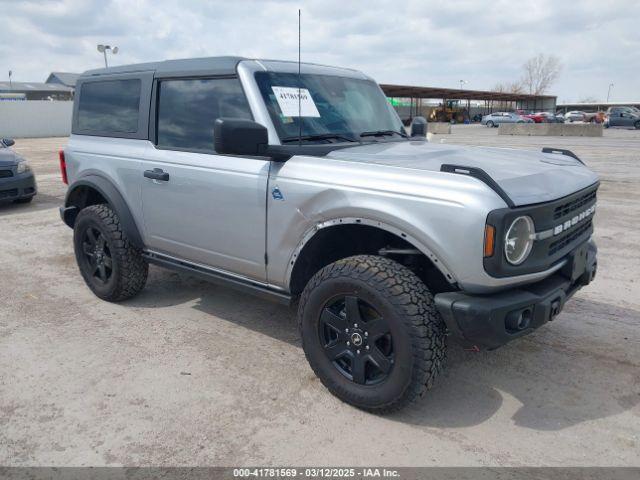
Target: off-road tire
point(407, 304)
point(129, 269)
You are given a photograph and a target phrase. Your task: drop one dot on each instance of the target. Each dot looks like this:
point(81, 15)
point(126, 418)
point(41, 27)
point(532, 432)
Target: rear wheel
point(371, 332)
point(111, 267)
point(637, 125)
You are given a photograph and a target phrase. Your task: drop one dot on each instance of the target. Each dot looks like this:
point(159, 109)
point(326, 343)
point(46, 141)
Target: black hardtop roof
point(183, 66)
point(194, 67)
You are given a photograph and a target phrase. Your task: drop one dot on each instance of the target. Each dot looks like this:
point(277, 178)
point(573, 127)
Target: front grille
point(573, 205)
point(6, 173)
point(568, 213)
point(568, 239)
point(9, 193)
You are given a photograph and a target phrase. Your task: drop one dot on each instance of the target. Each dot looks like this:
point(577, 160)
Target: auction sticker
point(295, 102)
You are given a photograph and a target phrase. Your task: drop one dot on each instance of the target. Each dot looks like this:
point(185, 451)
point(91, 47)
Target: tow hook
point(556, 306)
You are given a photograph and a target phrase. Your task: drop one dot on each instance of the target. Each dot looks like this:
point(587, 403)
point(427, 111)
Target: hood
point(526, 176)
point(8, 157)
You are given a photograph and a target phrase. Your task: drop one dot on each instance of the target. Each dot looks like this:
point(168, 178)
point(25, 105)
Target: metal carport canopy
point(406, 91)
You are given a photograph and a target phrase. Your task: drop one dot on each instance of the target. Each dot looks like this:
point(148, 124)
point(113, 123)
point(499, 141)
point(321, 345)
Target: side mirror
point(235, 136)
point(419, 127)
point(8, 142)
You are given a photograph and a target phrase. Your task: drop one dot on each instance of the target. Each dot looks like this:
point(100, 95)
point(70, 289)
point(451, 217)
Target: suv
point(303, 187)
point(623, 117)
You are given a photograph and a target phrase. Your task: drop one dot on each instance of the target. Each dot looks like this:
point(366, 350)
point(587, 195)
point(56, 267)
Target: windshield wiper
point(381, 133)
point(319, 136)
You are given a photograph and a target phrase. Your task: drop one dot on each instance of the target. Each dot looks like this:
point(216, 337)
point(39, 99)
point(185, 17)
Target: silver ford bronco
point(303, 186)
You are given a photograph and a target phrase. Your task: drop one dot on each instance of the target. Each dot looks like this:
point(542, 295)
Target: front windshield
point(339, 108)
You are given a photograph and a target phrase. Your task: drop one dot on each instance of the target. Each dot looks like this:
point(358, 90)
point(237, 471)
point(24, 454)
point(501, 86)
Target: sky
point(411, 42)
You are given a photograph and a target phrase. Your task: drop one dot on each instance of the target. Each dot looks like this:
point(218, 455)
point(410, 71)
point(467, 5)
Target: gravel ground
point(193, 374)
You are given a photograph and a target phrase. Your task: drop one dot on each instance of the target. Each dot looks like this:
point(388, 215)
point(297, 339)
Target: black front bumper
point(489, 321)
point(17, 187)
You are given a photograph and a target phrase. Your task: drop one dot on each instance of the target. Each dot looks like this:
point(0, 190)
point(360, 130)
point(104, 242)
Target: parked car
point(495, 119)
point(623, 117)
point(534, 117)
point(298, 183)
point(17, 182)
point(548, 117)
point(594, 117)
point(575, 116)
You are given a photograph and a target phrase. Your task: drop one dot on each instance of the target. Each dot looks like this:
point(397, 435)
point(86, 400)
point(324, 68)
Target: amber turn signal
point(489, 240)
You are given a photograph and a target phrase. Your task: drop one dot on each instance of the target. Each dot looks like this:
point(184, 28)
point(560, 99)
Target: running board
point(219, 278)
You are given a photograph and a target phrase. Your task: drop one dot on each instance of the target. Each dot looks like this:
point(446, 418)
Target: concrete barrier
point(35, 118)
point(439, 128)
point(551, 129)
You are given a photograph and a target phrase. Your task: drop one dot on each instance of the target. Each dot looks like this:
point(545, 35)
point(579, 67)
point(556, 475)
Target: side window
point(109, 106)
point(187, 110)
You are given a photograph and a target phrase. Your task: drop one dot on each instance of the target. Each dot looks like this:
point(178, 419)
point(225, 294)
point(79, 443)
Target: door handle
point(157, 174)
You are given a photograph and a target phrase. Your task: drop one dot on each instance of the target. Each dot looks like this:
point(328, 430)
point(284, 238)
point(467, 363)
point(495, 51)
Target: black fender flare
point(114, 199)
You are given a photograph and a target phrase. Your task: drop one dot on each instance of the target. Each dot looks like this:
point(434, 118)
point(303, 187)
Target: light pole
point(10, 85)
point(103, 49)
point(609, 91)
point(462, 82)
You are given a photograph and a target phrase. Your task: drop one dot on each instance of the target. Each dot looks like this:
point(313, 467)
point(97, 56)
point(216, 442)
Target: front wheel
point(637, 125)
point(490, 124)
point(111, 267)
point(371, 332)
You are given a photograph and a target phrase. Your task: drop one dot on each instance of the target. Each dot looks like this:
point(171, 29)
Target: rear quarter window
point(111, 106)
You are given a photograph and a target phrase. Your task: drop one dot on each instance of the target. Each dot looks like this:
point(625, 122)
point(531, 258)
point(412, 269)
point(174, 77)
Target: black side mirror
point(419, 127)
point(235, 136)
point(8, 142)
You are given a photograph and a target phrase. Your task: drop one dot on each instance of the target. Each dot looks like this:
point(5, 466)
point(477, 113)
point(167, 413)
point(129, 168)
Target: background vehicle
point(623, 117)
point(575, 116)
point(309, 191)
point(495, 119)
point(534, 117)
point(594, 117)
point(17, 182)
point(547, 117)
point(450, 112)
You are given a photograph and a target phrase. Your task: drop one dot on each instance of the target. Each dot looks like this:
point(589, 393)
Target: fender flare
point(310, 233)
point(114, 199)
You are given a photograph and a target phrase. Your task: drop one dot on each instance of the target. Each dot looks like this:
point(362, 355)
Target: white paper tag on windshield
point(288, 101)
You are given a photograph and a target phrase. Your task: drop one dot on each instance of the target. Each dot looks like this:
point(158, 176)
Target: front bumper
point(489, 321)
point(17, 187)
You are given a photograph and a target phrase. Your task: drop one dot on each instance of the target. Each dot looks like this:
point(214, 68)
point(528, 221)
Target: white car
point(495, 119)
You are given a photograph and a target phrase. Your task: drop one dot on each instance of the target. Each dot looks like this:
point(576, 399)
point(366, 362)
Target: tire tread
point(410, 296)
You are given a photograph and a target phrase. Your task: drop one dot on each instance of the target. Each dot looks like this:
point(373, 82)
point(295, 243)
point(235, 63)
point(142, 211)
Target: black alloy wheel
point(97, 254)
point(357, 340)
point(110, 265)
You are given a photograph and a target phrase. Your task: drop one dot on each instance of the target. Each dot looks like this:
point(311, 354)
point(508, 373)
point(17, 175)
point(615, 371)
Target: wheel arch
point(325, 243)
point(93, 190)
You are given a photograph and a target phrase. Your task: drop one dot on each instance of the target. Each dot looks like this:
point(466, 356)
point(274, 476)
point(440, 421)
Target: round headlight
point(518, 240)
point(23, 167)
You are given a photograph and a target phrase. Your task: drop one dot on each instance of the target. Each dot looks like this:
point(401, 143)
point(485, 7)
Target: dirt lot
point(193, 374)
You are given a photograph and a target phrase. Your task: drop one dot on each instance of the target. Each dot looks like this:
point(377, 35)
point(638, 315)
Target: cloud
point(410, 41)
